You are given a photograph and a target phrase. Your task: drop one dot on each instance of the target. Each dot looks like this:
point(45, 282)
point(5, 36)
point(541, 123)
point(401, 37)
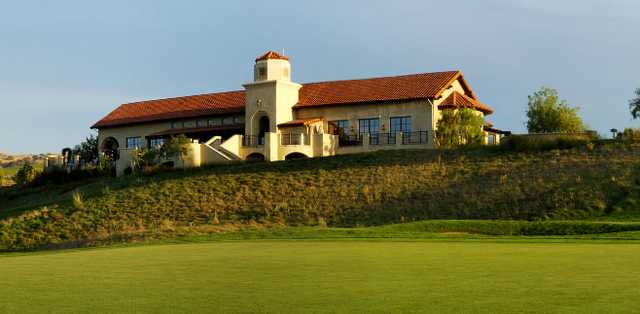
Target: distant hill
point(595, 183)
point(11, 161)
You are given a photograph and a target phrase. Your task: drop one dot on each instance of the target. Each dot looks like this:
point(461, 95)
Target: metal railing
point(415, 138)
point(290, 139)
point(252, 141)
point(382, 139)
point(350, 140)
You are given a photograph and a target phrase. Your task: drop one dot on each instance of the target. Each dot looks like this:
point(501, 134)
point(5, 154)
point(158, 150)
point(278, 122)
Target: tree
point(144, 157)
point(88, 150)
point(634, 105)
point(460, 127)
point(175, 147)
point(548, 114)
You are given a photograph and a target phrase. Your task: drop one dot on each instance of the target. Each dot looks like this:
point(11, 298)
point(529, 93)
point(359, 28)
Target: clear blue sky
point(65, 64)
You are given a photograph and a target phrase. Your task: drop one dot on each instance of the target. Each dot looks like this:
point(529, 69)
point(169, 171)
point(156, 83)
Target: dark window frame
point(401, 124)
point(342, 125)
point(133, 145)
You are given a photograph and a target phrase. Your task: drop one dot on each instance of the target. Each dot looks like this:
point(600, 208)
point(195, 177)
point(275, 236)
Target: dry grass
point(358, 190)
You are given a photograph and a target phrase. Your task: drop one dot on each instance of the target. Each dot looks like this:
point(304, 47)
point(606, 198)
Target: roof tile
point(397, 88)
point(458, 100)
point(272, 55)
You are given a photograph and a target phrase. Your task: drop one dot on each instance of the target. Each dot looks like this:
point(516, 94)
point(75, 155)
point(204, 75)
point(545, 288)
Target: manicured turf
point(327, 276)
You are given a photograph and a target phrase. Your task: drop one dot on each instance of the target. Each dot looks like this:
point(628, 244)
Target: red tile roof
point(407, 87)
point(457, 100)
point(397, 88)
point(271, 55)
point(304, 122)
point(175, 108)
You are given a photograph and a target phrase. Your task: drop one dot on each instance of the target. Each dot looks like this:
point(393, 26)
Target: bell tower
point(272, 66)
point(270, 97)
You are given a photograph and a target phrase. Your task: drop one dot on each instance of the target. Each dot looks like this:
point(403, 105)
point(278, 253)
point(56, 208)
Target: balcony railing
point(382, 139)
point(350, 140)
point(252, 141)
point(415, 138)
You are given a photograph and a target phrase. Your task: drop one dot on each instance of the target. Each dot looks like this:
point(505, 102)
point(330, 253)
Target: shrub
point(25, 175)
point(62, 176)
point(631, 135)
point(531, 143)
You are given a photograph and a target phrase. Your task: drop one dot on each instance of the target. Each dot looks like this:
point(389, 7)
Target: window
point(342, 125)
point(262, 72)
point(238, 119)
point(176, 125)
point(227, 120)
point(201, 123)
point(134, 142)
point(400, 125)
point(215, 122)
point(371, 126)
point(156, 142)
point(492, 139)
point(189, 124)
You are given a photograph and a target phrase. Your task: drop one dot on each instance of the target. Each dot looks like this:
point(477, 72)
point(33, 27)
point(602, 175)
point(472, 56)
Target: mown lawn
point(327, 276)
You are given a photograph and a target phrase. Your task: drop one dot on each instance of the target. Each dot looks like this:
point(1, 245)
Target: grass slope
point(367, 189)
point(326, 277)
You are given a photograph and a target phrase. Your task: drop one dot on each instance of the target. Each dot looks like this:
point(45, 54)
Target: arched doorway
point(110, 148)
point(255, 157)
point(295, 156)
point(263, 128)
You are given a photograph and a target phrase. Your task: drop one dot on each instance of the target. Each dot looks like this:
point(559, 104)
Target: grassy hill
point(602, 183)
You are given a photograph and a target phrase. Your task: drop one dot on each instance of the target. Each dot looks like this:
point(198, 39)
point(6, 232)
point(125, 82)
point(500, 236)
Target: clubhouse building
point(273, 118)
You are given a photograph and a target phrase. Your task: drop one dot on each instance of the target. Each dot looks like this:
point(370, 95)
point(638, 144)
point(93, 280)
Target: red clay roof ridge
point(180, 97)
point(382, 77)
point(271, 55)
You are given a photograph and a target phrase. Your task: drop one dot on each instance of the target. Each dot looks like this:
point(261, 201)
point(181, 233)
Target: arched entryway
point(110, 148)
point(263, 128)
point(255, 157)
point(295, 156)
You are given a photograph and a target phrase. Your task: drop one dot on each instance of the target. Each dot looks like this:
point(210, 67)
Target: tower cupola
point(272, 66)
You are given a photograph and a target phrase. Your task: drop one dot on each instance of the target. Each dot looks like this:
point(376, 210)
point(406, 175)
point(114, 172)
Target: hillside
point(14, 161)
point(602, 183)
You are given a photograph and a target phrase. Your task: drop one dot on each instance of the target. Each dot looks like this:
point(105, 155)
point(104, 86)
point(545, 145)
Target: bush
point(62, 176)
point(25, 176)
point(631, 135)
point(543, 142)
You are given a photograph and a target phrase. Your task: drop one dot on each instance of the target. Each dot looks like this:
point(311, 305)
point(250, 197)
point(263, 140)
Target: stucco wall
point(420, 112)
point(271, 98)
point(142, 130)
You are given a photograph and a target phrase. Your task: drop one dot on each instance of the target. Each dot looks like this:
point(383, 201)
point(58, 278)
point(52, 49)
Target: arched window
point(295, 156)
point(255, 157)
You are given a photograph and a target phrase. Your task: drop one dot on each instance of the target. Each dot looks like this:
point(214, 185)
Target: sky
point(66, 64)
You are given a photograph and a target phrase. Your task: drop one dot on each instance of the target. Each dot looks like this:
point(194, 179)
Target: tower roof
point(272, 55)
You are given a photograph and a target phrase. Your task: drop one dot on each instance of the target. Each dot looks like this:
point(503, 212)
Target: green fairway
point(327, 276)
